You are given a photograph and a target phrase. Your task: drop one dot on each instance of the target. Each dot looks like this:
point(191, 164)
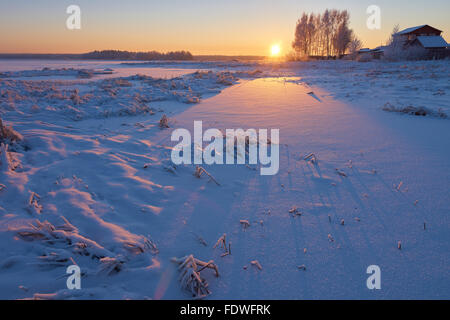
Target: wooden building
point(425, 37)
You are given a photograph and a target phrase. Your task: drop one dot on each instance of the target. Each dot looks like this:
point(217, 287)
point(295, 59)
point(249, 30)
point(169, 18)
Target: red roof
point(414, 29)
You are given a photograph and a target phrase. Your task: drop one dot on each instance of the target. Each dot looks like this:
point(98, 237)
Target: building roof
point(408, 30)
point(380, 48)
point(377, 49)
point(432, 41)
point(412, 29)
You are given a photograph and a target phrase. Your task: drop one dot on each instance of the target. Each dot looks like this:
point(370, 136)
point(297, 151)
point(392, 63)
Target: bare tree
point(311, 32)
point(326, 29)
point(300, 43)
point(323, 34)
point(395, 30)
point(343, 34)
point(355, 45)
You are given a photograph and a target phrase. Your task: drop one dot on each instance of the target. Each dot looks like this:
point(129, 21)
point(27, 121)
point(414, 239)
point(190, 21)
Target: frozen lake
point(120, 68)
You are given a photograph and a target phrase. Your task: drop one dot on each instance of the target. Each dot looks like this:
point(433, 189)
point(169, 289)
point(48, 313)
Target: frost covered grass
point(48, 72)
point(110, 97)
point(8, 134)
point(416, 111)
point(190, 277)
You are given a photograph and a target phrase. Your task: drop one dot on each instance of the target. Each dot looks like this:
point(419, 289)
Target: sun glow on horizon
point(275, 50)
point(194, 26)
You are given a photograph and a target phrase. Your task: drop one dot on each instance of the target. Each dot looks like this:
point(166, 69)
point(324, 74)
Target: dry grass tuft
point(190, 278)
point(8, 134)
point(312, 158)
point(256, 264)
point(164, 122)
point(200, 170)
point(111, 266)
point(222, 242)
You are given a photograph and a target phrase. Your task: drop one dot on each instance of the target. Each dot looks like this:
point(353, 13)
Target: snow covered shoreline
point(92, 184)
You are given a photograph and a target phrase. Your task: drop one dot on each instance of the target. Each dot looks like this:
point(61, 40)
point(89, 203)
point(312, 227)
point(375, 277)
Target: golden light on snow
point(275, 50)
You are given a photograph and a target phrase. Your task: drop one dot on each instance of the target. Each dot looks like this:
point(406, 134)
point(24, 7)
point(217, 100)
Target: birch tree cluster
point(325, 34)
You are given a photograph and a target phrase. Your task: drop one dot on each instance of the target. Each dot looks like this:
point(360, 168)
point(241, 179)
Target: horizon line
point(74, 54)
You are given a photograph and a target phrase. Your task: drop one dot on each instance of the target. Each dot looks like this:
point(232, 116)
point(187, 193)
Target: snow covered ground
point(92, 182)
point(417, 84)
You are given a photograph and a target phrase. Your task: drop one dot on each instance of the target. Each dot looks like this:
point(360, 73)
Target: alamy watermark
point(73, 22)
point(234, 146)
point(374, 20)
point(374, 281)
point(74, 280)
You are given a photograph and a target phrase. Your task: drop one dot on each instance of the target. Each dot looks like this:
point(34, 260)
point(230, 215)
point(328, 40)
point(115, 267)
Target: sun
point(275, 50)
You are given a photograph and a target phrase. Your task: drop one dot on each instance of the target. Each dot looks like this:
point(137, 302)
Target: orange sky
point(203, 27)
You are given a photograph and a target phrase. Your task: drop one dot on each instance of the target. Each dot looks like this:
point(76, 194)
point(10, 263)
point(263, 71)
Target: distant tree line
point(106, 55)
point(327, 34)
point(127, 55)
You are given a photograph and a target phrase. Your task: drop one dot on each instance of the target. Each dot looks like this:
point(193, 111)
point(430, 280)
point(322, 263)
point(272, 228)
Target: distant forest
point(107, 55)
point(127, 55)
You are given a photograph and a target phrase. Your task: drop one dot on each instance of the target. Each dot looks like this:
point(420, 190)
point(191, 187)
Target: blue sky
point(201, 26)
